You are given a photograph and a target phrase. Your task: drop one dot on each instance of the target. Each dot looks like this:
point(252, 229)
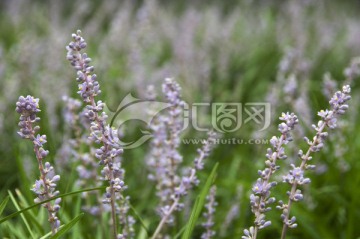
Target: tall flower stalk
point(186, 183)
point(45, 187)
point(74, 140)
point(173, 123)
point(100, 132)
point(209, 214)
point(260, 199)
point(164, 158)
point(296, 175)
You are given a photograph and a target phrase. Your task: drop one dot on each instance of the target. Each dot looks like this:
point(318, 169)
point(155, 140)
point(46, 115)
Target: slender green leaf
point(181, 231)
point(35, 221)
point(22, 216)
point(142, 233)
point(200, 201)
point(3, 204)
point(140, 219)
point(64, 228)
point(47, 235)
point(76, 210)
point(14, 230)
point(45, 201)
point(67, 226)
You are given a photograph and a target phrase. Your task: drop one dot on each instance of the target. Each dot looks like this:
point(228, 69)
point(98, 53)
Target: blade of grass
point(31, 215)
point(38, 204)
point(77, 209)
point(199, 203)
point(143, 234)
point(140, 220)
point(47, 235)
point(3, 204)
point(14, 231)
point(64, 228)
point(67, 226)
point(22, 216)
point(181, 231)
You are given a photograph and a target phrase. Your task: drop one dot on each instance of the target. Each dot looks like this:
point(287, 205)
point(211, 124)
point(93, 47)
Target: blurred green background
point(218, 51)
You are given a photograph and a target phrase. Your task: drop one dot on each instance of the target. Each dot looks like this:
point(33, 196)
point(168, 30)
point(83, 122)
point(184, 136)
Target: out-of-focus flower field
point(293, 55)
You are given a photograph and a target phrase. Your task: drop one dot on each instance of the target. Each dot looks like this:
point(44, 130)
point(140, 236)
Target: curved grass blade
point(77, 209)
point(22, 216)
point(140, 220)
point(14, 230)
point(199, 203)
point(67, 226)
point(3, 204)
point(181, 231)
point(45, 201)
point(47, 235)
point(32, 218)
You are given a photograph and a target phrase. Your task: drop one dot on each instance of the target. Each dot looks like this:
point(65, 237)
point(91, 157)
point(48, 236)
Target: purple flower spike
point(260, 199)
point(109, 151)
point(45, 187)
point(295, 176)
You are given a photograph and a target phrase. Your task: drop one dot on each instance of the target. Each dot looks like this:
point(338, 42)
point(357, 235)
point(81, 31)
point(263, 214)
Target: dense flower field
point(179, 120)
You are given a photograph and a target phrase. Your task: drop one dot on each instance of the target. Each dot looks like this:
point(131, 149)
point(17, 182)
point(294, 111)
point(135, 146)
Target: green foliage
point(199, 204)
point(67, 226)
point(3, 204)
point(234, 56)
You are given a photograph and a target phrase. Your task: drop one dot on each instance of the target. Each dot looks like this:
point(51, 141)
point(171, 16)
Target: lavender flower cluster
point(100, 132)
point(260, 199)
point(209, 214)
point(74, 140)
point(188, 180)
point(165, 157)
point(295, 176)
point(45, 187)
